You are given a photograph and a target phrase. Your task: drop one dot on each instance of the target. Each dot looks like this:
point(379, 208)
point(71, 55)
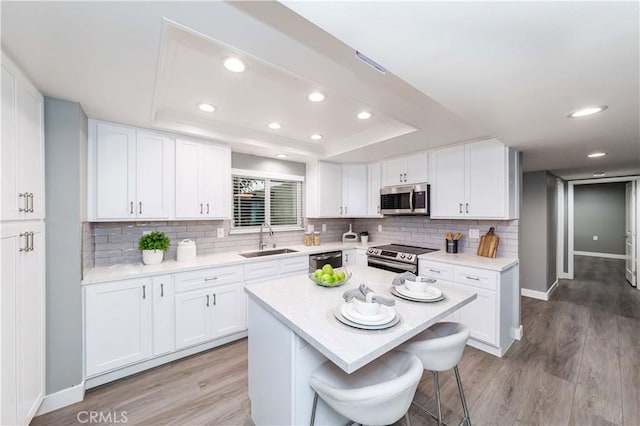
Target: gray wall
point(538, 231)
point(264, 164)
point(65, 126)
point(599, 209)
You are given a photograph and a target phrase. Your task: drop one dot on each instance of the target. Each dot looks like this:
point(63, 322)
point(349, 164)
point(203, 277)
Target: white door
point(115, 172)
point(486, 182)
point(374, 179)
point(630, 234)
point(164, 321)
point(393, 171)
point(10, 202)
point(215, 181)
point(447, 182)
point(354, 189)
point(154, 175)
point(31, 147)
point(117, 324)
point(330, 189)
point(228, 310)
point(193, 317)
point(188, 179)
point(418, 168)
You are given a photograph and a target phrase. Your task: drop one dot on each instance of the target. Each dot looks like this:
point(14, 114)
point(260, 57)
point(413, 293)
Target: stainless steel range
point(396, 257)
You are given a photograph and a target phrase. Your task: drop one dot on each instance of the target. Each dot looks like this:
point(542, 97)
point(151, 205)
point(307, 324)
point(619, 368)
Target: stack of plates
point(347, 314)
point(433, 294)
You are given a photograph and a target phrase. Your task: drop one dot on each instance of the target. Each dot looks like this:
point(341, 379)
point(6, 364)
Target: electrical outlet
point(220, 232)
point(146, 232)
point(310, 228)
point(324, 227)
point(474, 234)
point(379, 228)
point(595, 238)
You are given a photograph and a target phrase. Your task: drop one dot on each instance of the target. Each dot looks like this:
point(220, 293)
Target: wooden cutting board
point(488, 246)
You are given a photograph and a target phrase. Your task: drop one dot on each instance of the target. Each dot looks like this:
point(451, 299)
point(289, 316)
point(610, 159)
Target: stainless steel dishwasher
point(318, 260)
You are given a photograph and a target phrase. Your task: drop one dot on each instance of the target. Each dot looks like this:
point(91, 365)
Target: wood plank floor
point(578, 364)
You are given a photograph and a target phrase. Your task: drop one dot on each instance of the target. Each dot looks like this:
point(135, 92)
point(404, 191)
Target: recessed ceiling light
point(587, 111)
point(275, 125)
point(316, 96)
point(234, 65)
point(364, 115)
point(206, 107)
point(316, 136)
point(281, 155)
point(597, 154)
point(598, 174)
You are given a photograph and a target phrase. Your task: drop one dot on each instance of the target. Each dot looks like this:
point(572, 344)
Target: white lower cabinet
point(349, 257)
point(193, 317)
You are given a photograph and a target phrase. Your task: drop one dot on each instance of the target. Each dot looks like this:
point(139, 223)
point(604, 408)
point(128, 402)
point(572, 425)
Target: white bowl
point(420, 285)
point(366, 308)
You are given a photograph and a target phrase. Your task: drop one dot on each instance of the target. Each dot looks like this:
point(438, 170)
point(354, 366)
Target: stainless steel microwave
point(406, 199)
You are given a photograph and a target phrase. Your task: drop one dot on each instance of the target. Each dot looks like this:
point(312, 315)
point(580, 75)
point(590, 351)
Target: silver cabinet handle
point(144, 291)
point(207, 300)
point(473, 278)
point(200, 208)
point(400, 177)
point(467, 205)
point(31, 198)
point(345, 209)
point(140, 207)
point(24, 195)
point(435, 271)
point(346, 257)
point(405, 177)
point(31, 248)
point(460, 208)
point(131, 207)
point(211, 279)
point(214, 299)
point(378, 209)
point(26, 242)
point(161, 290)
point(340, 209)
point(207, 208)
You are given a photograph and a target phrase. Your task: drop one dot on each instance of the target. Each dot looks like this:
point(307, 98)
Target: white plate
point(345, 321)
point(386, 314)
point(432, 292)
point(395, 292)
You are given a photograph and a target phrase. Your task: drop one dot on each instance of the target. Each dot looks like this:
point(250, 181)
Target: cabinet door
point(187, 179)
point(117, 324)
point(447, 182)
point(154, 175)
point(349, 257)
point(418, 168)
point(30, 324)
point(480, 315)
point(164, 321)
point(374, 179)
point(31, 147)
point(393, 171)
point(114, 172)
point(215, 181)
point(228, 310)
point(9, 201)
point(193, 317)
point(486, 179)
point(354, 189)
point(329, 189)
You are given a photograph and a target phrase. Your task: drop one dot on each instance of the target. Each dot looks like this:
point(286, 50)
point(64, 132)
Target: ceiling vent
point(371, 63)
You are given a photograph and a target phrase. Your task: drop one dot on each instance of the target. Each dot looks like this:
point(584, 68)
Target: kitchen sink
point(261, 253)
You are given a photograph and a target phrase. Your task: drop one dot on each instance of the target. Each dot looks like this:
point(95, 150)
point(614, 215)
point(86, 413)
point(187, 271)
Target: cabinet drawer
point(476, 277)
point(298, 264)
point(260, 270)
point(436, 270)
point(208, 277)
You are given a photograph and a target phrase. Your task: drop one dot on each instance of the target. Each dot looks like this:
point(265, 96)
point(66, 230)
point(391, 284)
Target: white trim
point(540, 295)
point(517, 333)
point(560, 231)
point(266, 175)
point(564, 276)
point(61, 399)
point(595, 254)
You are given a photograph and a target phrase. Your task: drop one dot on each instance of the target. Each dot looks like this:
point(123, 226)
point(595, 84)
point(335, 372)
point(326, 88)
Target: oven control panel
point(406, 257)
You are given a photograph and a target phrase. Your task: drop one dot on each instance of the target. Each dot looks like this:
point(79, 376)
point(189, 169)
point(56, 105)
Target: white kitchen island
point(292, 331)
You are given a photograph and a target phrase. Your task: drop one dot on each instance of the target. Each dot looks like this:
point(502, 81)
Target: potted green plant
point(364, 237)
point(153, 246)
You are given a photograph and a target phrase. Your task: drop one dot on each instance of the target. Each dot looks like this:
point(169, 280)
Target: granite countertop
point(307, 309)
point(127, 271)
point(471, 260)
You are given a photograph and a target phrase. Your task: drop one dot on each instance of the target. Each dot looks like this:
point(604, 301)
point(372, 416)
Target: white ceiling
point(458, 72)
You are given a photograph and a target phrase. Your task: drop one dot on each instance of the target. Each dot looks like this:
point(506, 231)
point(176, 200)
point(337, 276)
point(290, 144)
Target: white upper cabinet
point(323, 189)
point(476, 180)
point(408, 169)
point(131, 173)
point(22, 149)
point(374, 180)
point(354, 190)
point(203, 180)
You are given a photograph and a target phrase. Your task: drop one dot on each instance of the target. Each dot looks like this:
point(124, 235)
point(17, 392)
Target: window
point(275, 201)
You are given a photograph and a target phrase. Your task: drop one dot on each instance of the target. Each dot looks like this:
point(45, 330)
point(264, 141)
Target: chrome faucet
point(261, 244)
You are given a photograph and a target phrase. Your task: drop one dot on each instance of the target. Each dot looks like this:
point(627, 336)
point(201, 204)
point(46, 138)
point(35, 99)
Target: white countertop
point(127, 271)
point(307, 309)
point(471, 260)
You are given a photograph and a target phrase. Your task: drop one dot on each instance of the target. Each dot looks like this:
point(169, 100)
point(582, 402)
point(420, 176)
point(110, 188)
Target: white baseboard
point(541, 295)
point(564, 276)
point(61, 399)
point(517, 333)
point(605, 255)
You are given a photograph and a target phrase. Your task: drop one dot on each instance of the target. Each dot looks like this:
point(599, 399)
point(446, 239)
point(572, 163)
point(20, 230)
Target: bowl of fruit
point(329, 277)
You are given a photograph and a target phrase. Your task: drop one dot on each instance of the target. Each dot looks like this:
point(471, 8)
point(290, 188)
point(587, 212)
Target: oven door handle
point(411, 196)
point(404, 266)
point(326, 257)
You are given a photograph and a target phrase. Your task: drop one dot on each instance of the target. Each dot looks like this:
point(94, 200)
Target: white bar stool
point(440, 348)
point(379, 393)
